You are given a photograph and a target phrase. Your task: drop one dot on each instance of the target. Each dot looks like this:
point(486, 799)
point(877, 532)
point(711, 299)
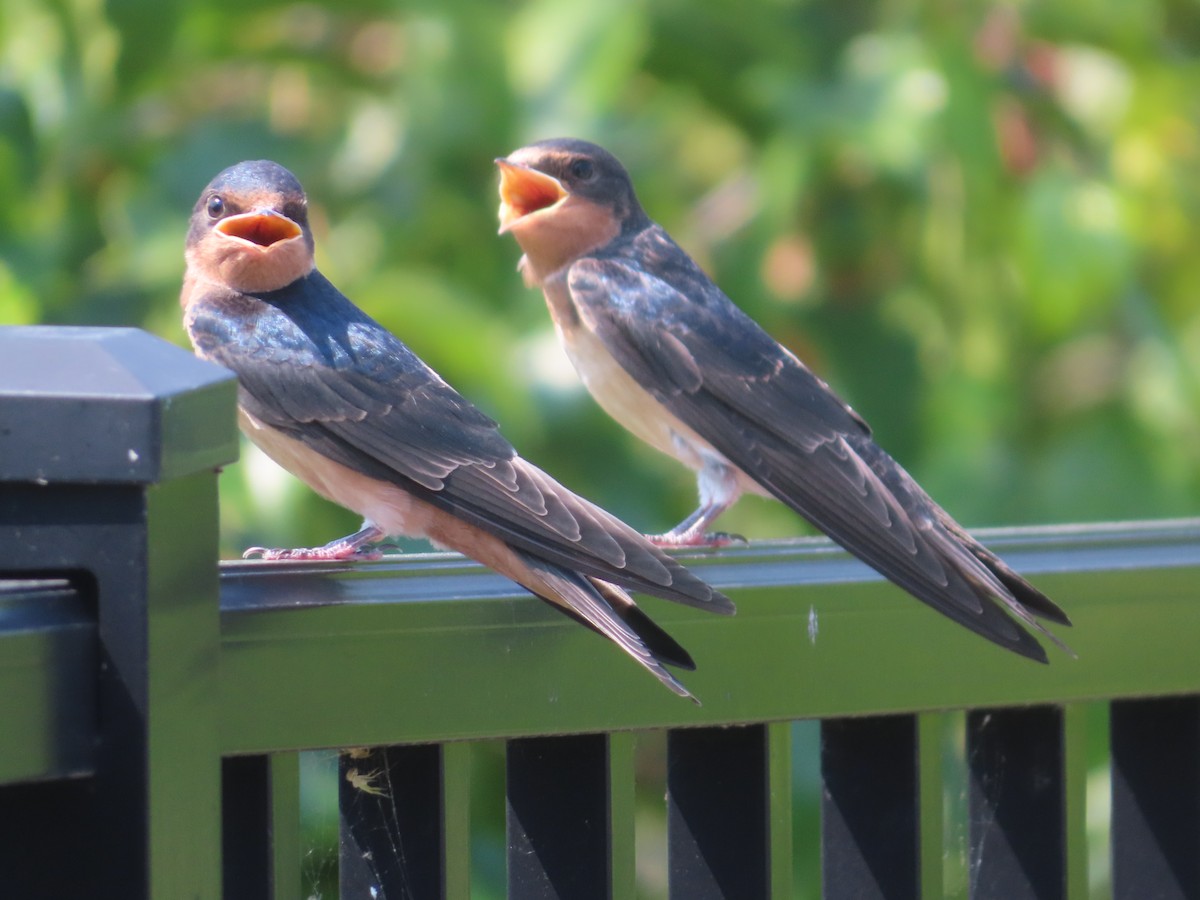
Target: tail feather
point(661, 644)
point(624, 624)
point(1024, 592)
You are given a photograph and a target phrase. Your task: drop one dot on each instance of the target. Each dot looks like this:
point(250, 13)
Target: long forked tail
point(870, 505)
point(609, 611)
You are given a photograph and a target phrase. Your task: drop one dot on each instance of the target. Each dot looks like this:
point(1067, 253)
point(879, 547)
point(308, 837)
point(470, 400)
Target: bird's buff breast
point(394, 510)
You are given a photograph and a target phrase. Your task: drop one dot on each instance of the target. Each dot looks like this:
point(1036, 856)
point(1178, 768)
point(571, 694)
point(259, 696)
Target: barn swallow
point(675, 361)
point(344, 405)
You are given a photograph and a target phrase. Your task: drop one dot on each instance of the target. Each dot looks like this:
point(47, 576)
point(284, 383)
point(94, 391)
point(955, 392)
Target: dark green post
point(110, 441)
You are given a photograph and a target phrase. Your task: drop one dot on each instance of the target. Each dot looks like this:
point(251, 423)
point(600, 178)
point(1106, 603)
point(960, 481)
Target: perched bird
point(340, 402)
point(671, 358)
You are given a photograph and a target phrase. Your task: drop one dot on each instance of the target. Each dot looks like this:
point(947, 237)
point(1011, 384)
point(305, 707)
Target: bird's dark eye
point(216, 206)
point(582, 169)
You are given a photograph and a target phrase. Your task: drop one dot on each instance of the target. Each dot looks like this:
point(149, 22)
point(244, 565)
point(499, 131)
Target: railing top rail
point(432, 647)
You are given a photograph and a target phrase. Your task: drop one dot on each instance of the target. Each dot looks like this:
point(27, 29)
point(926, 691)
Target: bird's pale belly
point(620, 395)
point(627, 401)
point(394, 510)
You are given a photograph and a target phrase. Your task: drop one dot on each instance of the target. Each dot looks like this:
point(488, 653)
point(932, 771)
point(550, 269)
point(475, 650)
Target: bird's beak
point(262, 228)
point(524, 191)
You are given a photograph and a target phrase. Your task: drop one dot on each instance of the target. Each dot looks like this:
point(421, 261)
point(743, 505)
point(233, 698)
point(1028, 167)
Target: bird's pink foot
point(712, 540)
point(357, 547)
point(328, 552)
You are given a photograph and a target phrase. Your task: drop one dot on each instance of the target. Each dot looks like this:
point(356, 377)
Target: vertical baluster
point(570, 828)
point(728, 824)
point(393, 823)
point(1155, 798)
point(1018, 803)
point(878, 815)
point(260, 812)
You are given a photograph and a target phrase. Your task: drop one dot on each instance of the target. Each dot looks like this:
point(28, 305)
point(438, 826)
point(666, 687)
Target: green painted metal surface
point(930, 840)
point(431, 647)
point(286, 844)
point(1075, 806)
point(621, 813)
point(183, 646)
point(456, 799)
point(48, 661)
point(780, 845)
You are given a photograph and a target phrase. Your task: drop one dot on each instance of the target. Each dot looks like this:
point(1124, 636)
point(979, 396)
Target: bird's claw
point(345, 552)
point(712, 540)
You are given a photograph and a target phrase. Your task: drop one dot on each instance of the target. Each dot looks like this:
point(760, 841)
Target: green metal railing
point(483, 659)
point(121, 693)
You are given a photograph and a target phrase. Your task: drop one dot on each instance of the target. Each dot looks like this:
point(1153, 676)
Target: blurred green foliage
point(977, 220)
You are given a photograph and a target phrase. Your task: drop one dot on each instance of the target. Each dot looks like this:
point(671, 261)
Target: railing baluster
point(286, 849)
point(622, 812)
point(456, 820)
point(872, 822)
point(260, 806)
point(41, 825)
point(930, 791)
point(780, 840)
point(246, 854)
point(563, 841)
point(1155, 798)
point(1018, 803)
point(719, 809)
point(391, 801)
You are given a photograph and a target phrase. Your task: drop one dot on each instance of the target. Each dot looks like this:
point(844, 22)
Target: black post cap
point(109, 405)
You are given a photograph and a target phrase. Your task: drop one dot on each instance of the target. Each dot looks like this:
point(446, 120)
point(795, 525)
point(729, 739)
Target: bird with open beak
point(340, 402)
point(671, 358)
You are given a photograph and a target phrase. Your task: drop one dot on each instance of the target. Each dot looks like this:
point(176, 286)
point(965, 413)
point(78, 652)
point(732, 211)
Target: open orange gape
point(524, 191)
point(261, 228)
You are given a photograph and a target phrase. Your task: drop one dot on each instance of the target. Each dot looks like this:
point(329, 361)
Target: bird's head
point(249, 229)
point(562, 198)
